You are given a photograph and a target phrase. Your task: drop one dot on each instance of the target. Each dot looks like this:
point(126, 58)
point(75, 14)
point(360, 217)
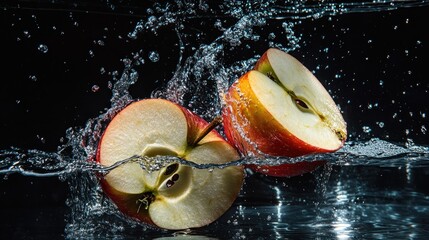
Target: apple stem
point(214, 123)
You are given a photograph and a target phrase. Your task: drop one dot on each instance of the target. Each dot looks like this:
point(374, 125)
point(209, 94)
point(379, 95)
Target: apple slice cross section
point(317, 108)
point(176, 196)
point(281, 109)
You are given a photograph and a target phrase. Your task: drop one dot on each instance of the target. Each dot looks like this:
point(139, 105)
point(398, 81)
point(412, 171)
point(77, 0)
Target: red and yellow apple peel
point(281, 109)
point(177, 196)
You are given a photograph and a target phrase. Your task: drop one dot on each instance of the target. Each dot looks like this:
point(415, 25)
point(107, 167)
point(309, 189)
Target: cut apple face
point(176, 196)
point(281, 109)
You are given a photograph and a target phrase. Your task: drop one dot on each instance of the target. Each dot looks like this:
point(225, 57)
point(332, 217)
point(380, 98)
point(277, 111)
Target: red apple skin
point(266, 134)
point(127, 203)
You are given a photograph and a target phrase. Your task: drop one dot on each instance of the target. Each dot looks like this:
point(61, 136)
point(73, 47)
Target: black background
point(364, 48)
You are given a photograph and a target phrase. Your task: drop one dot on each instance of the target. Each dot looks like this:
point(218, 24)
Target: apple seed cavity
point(303, 105)
point(146, 200)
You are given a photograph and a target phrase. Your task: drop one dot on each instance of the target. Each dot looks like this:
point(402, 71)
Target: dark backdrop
point(381, 60)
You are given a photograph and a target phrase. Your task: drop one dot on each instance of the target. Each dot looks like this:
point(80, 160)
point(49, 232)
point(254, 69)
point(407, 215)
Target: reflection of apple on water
point(177, 196)
point(281, 109)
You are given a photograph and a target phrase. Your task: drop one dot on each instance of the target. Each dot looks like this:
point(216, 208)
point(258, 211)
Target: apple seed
point(171, 169)
point(175, 177)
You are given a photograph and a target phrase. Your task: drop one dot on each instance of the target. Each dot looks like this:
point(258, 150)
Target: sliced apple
point(177, 196)
point(281, 109)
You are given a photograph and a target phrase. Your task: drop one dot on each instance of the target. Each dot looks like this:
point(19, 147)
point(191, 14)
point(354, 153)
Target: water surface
point(70, 67)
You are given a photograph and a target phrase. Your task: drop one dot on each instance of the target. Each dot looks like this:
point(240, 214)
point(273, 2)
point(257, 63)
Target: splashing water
point(205, 69)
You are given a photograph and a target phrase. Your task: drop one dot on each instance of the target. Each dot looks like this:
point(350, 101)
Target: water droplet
point(154, 56)
point(218, 25)
point(27, 34)
point(423, 129)
point(95, 88)
point(235, 222)
point(366, 129)
point(42, 139)
point(102, 70)
point(32, 78)
point(127, 62)
point(43, 48)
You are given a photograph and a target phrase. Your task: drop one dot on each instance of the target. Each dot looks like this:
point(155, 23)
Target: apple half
point(281, 109)
point(177, 196)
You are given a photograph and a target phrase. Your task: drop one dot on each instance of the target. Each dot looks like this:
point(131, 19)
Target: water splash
point(202, 76)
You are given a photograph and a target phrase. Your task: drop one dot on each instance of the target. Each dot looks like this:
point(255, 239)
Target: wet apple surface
point(281, 109)
point(177, 196)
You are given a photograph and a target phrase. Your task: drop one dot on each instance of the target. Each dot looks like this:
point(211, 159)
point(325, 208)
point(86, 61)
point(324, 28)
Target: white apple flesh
point(281, 109)
point(177, 196)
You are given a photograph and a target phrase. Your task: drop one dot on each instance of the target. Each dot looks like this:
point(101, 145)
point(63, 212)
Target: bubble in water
point(43, 48)
point(154, 56)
